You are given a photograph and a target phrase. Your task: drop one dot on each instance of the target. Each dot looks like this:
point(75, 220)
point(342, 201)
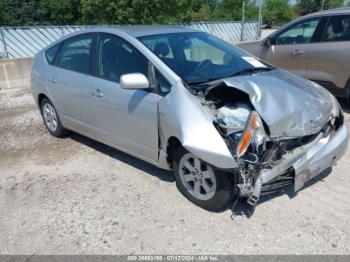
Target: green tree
point(304, 7)
point(20, 12)
point(4, 14)
point(228, 10)
point(59, 12)
point(145, 11)
point(128, 11)
point(277, 12)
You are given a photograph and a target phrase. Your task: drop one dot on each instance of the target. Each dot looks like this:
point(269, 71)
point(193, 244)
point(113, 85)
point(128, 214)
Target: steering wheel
point(205, 63)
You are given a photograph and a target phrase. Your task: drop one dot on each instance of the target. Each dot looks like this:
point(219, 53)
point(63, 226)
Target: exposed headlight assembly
point(253, 138)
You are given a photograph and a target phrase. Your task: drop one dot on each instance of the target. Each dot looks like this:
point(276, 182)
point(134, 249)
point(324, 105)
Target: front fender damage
point(181, 115)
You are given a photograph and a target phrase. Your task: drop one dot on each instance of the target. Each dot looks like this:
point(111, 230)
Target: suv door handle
point(52, 80)
point(297, 52)
point(97, 93)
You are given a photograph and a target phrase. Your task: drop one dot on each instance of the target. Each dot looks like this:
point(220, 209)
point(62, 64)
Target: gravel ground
point(77, 196)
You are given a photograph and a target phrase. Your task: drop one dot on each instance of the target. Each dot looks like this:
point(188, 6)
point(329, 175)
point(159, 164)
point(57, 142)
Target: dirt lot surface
point(77, 196)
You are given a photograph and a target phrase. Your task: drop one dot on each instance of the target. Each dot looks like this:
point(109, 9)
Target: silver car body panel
point(181, 115)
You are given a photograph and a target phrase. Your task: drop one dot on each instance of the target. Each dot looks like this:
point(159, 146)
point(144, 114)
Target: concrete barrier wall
point(15, 72)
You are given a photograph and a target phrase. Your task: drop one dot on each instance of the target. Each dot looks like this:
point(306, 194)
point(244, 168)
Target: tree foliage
point(61, 12)
point(277, 12)
point(304, 7)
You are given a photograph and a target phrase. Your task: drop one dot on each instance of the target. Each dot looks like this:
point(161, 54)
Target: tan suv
point(316, 46)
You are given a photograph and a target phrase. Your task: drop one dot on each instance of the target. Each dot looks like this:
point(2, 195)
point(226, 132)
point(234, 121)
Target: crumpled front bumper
point(309, 160)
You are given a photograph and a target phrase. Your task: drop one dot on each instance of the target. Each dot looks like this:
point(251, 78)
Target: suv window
point(338, 29)
point(117, 57)
point(300, 33)
point(51, 53)
point(76, 52)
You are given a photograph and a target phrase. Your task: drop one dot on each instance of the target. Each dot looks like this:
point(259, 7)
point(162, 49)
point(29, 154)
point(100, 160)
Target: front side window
point(117, 57)
point(75, 53)
point(199, 57)
point(163, 85)
point(300, 33)
point(338, 29)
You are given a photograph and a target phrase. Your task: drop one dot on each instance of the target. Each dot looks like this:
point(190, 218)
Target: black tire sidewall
point(224, 187)
point(60, 130)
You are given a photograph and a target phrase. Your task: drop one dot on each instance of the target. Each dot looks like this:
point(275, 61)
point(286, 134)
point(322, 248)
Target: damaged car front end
point(267, 128)
point(279, 142)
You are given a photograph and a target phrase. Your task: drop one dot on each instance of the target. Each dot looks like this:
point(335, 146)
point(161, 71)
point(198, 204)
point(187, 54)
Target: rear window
point(51, 54)
point(75, 53)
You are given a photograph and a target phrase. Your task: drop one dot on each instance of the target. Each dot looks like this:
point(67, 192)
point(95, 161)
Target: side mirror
point(134, 81)
point(268, 42)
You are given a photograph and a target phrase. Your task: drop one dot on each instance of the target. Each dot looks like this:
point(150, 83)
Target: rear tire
point(200, 183)
point(51, 119)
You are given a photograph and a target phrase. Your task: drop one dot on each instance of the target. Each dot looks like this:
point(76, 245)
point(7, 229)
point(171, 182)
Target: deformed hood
point(290, 105)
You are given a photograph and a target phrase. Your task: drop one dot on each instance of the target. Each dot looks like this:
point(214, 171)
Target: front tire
point(200, 183)
point(51, 119)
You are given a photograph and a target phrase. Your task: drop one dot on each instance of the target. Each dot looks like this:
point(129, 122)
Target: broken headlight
point(253, 138)
point(232, 120)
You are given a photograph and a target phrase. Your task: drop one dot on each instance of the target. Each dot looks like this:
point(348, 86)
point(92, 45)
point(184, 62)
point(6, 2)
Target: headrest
point(161, 49)
point(338, 26)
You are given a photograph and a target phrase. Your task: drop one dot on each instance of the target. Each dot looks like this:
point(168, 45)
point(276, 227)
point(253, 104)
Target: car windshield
point(200, 57)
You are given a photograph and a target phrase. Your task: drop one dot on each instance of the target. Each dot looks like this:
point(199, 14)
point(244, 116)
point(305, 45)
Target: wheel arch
point(173, 144)
point(41, 96)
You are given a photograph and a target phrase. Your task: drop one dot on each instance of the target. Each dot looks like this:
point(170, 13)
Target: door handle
point(297, 52)
point(97, 93)
point(52, 80)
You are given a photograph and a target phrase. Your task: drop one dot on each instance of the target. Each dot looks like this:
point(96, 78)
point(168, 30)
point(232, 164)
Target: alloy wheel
point(197, 176)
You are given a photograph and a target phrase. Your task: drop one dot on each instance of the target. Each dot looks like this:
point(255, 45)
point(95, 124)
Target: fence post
point(260, 20)
point(3, 41)
point(243, 21)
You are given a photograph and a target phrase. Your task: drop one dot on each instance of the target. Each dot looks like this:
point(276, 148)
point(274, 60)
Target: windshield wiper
point(251, 70)
point(203, 82)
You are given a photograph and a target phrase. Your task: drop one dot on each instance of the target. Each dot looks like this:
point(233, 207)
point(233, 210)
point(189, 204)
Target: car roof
point(143, 30)
point(336, 11)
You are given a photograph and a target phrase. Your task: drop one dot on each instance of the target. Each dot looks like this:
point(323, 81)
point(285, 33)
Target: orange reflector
point(253, 121)
point(245, 142)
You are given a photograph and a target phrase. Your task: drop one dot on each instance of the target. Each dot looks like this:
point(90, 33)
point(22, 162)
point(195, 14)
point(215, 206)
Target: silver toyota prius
point(228, 124)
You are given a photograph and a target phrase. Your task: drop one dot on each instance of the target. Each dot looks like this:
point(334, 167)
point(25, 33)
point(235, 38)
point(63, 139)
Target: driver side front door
point(125, 119)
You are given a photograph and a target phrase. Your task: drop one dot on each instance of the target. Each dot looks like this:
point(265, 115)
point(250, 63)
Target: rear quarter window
point(51, 54)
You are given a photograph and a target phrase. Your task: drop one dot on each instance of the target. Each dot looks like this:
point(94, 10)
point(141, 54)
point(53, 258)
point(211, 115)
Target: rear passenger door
point(68, 82)
point(328, 60)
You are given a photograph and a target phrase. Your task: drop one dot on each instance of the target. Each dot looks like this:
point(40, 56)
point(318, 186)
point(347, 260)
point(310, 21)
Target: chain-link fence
point(20, 42)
